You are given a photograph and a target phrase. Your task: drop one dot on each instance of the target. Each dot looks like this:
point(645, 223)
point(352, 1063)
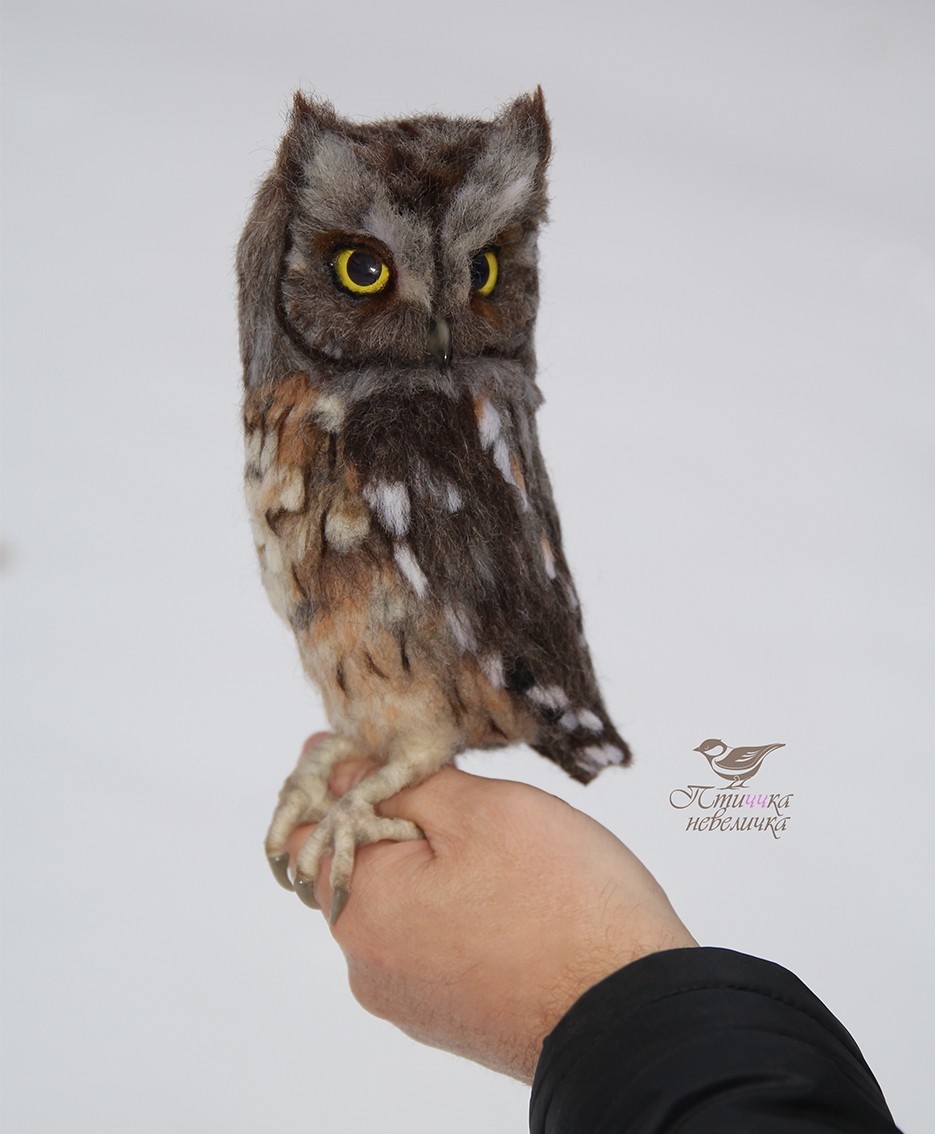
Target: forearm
point(711, 1040)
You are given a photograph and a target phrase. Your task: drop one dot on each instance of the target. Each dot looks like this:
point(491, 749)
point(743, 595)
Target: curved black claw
point(305, 888)
point(279, 864)
point(338, 902)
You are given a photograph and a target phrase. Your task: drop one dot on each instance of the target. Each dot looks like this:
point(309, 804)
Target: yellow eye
point(360, 272)
point(484, 271)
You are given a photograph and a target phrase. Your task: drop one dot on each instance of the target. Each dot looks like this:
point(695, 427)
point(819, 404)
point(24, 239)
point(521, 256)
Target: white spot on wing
point(548, 696)
point(547, 557)
point(453, 498)
point(501, 458)
point(390, 501)
point(490, 429)
point(569, 721)
point(411, 571)
point(489, 424)
point(597, 756)
point(591, 721)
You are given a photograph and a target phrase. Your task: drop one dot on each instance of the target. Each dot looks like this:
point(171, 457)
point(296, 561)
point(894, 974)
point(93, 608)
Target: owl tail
point(580, 740)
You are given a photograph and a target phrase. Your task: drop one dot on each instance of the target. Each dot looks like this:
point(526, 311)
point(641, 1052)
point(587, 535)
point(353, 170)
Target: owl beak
point(440, 343)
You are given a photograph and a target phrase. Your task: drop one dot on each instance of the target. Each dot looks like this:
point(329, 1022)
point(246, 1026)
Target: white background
point(737, 339)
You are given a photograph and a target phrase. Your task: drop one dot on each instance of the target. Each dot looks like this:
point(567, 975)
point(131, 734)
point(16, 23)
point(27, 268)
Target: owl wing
point(459, 487)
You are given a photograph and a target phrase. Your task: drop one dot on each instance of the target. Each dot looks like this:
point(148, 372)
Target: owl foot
point(350, 823)
point(305, 888)
point(304, 798)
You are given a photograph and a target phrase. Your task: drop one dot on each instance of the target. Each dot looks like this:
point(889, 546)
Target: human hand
point(479, 938)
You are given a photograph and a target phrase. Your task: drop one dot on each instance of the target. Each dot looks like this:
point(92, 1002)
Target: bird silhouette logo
point(735, 764)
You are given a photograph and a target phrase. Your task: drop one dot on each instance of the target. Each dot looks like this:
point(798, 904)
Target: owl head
point(408, 245)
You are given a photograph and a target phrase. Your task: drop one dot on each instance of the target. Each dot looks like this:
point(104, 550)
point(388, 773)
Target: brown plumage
point(402, 513)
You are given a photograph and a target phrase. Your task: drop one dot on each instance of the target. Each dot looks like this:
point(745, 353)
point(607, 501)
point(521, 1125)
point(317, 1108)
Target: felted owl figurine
point(401, 510)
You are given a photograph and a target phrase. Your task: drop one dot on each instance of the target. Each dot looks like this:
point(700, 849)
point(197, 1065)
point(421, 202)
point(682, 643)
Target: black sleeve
point(703, 1041)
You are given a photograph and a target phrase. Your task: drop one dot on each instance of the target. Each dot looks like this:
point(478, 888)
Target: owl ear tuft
point(527, 115)
point(310, 118)
point(316, 112)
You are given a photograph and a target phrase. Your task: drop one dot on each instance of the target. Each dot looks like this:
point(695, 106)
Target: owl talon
point(279, 864)
point(305, 888)
point(338, 902)
point(351, 823)
point(304, 798)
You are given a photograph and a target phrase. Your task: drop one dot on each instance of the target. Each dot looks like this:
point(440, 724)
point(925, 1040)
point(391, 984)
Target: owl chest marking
point(332, 550)
point(303, 501)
